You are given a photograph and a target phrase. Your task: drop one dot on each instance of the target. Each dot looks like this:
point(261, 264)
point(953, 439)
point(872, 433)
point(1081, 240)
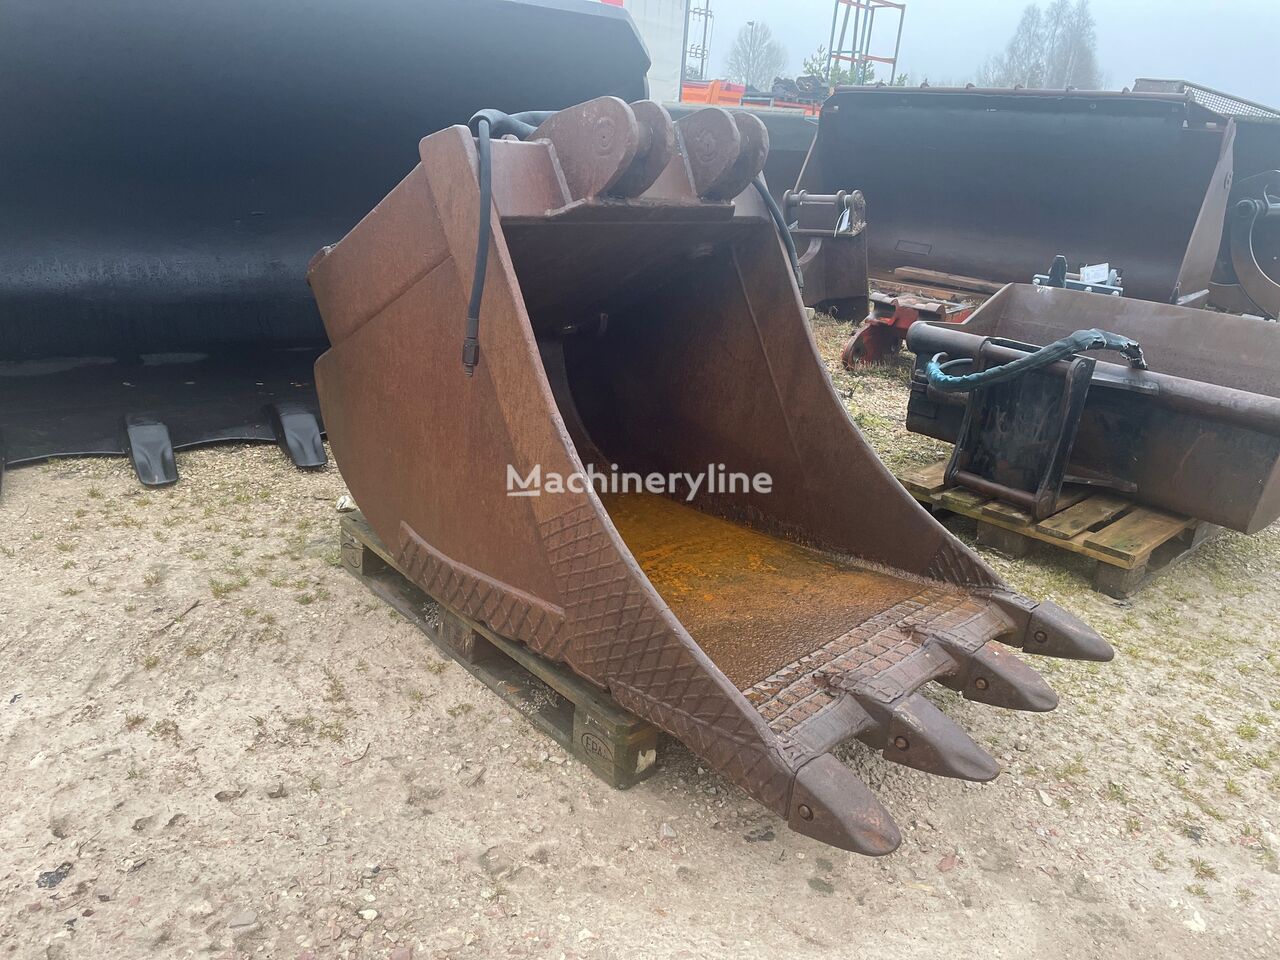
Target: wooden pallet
point(617, 746)
point(1130, 543)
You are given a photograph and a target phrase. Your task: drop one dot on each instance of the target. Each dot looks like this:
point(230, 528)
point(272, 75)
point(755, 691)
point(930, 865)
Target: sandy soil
point(215, 742)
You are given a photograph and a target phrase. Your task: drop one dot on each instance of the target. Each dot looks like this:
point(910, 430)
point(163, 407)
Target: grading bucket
point(1197, 433)
point(171, 166)
point(993, 184)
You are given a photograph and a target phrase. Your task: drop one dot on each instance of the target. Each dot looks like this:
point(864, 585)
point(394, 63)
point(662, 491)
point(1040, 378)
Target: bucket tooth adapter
point(645, 475)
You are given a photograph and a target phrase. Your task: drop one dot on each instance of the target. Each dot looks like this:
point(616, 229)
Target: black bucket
point(171, 166)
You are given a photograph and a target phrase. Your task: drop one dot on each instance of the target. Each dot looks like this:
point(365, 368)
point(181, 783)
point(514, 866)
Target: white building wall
point(661, 25)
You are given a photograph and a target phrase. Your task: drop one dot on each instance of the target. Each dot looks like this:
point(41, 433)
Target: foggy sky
point(1228, 44)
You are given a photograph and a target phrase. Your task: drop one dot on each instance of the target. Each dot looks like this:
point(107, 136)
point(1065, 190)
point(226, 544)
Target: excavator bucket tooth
point(297, 431)
point(1053, 632)
point(831, 803)
point(645, 473)
point(150, 451)
point(997, 677)
point(1047, 630)
point(922, 736)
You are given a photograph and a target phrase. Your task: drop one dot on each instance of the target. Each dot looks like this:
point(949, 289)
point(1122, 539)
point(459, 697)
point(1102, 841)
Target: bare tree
point(1077, 62)
point(1055, 47)
point(756, 58)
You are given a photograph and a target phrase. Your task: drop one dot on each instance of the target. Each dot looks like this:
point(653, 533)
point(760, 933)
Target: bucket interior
point(754, 602)
point(658, 387)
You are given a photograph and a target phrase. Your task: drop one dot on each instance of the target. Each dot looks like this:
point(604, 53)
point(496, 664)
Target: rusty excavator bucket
point(993, 184)
point(570, 384)
point(828, 230)
point(172, 165)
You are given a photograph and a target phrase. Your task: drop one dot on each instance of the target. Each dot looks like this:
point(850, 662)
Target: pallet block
point(618, 747)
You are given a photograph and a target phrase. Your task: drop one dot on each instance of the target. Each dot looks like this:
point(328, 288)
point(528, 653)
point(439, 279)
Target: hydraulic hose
point(471, 343)
point(780, 222)
point(486, 124)
point(1078, 342)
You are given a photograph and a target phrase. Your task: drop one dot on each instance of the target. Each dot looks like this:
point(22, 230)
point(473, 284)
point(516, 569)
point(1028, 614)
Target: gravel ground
point(218, 743)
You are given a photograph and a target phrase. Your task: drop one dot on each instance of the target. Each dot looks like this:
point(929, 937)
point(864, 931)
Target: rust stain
point(753, 602)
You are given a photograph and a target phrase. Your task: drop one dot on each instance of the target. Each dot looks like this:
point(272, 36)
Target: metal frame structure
point(855, 48)
point(694, 49)
point(1225, 103)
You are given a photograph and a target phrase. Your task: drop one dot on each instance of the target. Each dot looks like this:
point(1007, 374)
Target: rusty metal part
point(655, 150)
point(886, 326)
point(790, 137)
point(753, 148)
point(831, 248)
point(762, 627)
point(595, 143)
point(1197, 434)
point(994, 183)
point(829, 231)
point(711, 144)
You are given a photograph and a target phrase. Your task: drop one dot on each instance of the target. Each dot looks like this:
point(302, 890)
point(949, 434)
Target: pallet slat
point(947, 279)
point(1083, 516)
point(1071, 494)
point(1006, 511)
point(1131, 544)
point(1134, 536)
point(959, 500)
point(925, 481)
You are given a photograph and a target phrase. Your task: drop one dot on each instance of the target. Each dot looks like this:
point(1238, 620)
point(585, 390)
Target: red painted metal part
point(884, 331)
